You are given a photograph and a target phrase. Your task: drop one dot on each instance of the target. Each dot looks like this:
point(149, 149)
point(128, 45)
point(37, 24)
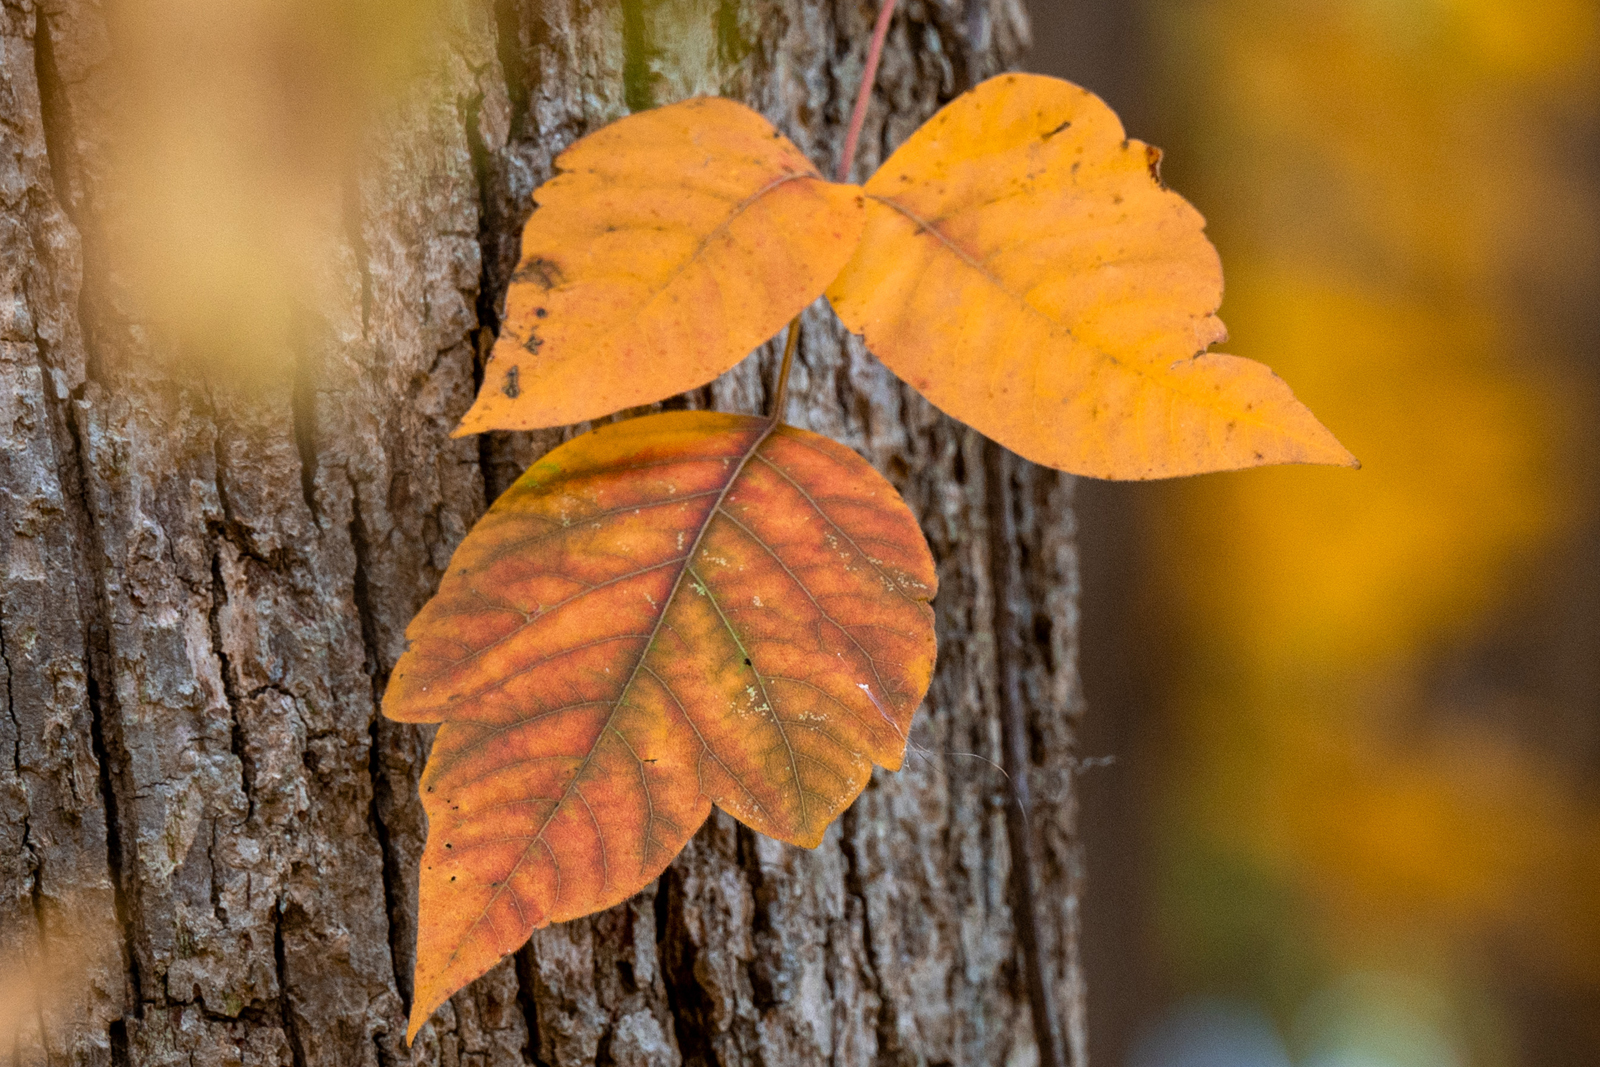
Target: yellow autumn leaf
point(1023, 267)
point(672, 243)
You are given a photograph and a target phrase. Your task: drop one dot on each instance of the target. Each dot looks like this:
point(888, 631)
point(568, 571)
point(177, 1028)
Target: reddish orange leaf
point(672, 244)
point(668, 613)
point(1024, 268)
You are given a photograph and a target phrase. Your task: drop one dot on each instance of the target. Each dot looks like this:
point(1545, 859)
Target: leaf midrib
point(631, 319)
point(609, 724)
point(1194, 395)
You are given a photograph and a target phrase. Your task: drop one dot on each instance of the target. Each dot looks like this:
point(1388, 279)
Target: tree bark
point(203, 585)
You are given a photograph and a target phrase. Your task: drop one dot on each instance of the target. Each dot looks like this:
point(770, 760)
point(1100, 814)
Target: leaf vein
point(766, 700)
point(871, 662)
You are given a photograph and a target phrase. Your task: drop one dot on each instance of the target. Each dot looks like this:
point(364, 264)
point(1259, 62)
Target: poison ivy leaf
point(1025, 269)
point(673, 243)
point(668, 613)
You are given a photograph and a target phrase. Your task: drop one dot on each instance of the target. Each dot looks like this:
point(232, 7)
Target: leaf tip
point(1344, 457)
point(807, 838)
point(1323, 447)
point(414, 1026)
point(1329, 450)
point(429, 996)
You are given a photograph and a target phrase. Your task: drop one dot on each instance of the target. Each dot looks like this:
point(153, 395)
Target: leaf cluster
point(1017, 261)
point(697, 609)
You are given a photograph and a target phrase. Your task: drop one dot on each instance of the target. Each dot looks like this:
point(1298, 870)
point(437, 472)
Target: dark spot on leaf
point(538, 269)
point(510, 387)
point(747, 661)
point(540, 312)
point(1057, 130)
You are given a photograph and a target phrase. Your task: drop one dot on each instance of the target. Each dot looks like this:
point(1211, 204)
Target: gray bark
point(204, 821)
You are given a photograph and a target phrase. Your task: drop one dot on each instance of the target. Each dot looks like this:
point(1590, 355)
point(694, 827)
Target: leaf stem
point(852, 137)
point(858, 114)
point(780, 396)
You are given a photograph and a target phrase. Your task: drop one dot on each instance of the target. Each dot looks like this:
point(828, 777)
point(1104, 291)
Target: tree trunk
point(205, 824)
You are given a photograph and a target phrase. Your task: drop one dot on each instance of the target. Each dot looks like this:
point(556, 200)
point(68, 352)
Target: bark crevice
point(528, 1003)
point(855, 886)
point(513, 66)
point(72, 421)
point(361, 593)
point(1017, 744)
point(687, 1003)
point(11, 711)
point(291, 1030)
point(54, 114)
point(393, 910)
point(382, 792)
point(35, 894)
point(303, 411)
point(638, 88)
point(485, 304)
point(358, 246)
point(230, 688)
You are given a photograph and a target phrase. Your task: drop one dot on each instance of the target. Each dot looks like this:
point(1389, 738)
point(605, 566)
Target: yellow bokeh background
point(1407, 201)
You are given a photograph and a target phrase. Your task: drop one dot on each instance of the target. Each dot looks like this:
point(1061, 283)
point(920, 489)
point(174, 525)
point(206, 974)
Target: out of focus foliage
point(1385, 743)
point(237, 129)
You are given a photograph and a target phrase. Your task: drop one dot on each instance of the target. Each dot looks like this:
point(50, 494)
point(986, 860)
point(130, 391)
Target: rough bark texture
point(202, 589)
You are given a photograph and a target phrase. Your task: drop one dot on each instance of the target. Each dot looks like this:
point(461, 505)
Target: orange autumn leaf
point(667, 613)
point(1025, 269)
point(672, 243)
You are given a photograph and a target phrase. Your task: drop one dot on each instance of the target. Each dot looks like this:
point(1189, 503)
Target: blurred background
point(1354, 818)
